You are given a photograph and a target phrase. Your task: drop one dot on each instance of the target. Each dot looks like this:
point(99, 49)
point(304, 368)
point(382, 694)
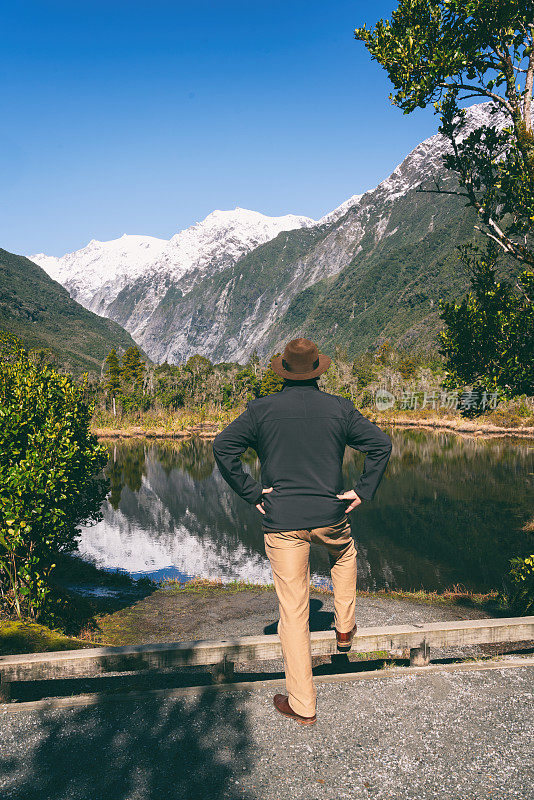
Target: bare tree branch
point(479, 91)
point(527, 99)
point(443, 191)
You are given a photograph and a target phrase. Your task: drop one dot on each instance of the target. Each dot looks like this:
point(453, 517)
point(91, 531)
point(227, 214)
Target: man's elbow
point(216, 446)
point(222, 448)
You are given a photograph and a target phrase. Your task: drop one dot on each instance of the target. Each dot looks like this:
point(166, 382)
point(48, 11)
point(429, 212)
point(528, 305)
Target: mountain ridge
point(96, 273)
point(235, 298)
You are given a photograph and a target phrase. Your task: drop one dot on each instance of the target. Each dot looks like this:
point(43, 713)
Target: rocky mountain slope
point(373, 268)
point(42, 313)
point(127, 278)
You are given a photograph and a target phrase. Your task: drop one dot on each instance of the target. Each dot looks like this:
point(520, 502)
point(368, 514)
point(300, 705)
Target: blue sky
point(142, 117)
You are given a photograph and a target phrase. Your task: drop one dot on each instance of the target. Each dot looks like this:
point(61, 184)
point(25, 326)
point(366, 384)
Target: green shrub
point(364, 370)
point(519, 595)
point(270, 382)
point(489, 336)
point(51, 478)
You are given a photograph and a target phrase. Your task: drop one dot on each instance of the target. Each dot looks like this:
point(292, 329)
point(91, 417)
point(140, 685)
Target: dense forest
point(382, 379)
point(130, 384)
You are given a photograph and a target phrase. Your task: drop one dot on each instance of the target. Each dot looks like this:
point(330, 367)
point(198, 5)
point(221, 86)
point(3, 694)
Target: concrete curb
point(49, 704)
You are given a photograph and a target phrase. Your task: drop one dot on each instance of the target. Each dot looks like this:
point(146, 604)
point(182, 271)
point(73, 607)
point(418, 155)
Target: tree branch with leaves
point(443, 52)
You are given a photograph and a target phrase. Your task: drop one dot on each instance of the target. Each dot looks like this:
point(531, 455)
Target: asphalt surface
point(441, 735)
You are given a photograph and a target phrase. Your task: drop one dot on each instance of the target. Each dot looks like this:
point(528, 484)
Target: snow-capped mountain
point(206, 289)
point(97, 273)
point(282, 288)
point(102, 264)
point(340, 211)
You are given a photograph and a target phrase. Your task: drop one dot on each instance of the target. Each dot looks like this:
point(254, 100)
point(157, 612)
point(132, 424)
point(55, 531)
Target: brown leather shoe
point(344, 640)
point(281, 703)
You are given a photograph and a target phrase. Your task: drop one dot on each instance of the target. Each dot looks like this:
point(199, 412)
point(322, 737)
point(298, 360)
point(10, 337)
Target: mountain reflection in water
point(449, 511)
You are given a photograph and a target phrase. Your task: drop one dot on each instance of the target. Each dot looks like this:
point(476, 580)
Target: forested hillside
point(42, 313)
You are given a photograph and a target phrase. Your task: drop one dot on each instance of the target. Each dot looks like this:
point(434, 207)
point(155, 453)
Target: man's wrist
point(258, 499)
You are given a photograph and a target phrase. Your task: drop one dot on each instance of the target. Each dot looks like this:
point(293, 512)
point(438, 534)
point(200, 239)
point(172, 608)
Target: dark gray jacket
point(300, 435)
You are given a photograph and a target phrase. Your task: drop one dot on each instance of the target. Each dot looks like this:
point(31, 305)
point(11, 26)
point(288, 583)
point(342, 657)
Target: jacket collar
point(300, 385)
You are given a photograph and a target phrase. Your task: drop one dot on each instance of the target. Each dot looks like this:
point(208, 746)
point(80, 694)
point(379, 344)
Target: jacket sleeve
point(364, 435)
point(228, 445)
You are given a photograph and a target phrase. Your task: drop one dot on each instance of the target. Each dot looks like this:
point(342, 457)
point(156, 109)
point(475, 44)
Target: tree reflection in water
point(450, 510)
point(126, 467)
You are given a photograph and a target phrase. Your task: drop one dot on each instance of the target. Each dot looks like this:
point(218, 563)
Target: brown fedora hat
point(300, 361)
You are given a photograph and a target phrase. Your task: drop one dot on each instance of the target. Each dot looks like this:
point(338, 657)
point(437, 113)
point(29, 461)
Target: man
point(300, 435)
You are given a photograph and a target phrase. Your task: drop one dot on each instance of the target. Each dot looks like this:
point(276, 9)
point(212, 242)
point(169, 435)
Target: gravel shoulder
point(435, 736)
point(439, 735)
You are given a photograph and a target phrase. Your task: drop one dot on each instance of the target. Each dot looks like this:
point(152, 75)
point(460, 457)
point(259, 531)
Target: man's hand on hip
point(259, 506)
point(350, 495)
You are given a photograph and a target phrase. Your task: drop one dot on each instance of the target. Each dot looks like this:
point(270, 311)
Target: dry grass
point(164, 423)
point(512, 419)
point(200, 585)
point(454, 595)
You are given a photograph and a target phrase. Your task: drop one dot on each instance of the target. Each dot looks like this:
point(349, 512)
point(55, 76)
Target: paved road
point(445, 735)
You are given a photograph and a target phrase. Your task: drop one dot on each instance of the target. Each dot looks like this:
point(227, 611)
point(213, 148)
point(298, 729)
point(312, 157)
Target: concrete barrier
point(414, 641)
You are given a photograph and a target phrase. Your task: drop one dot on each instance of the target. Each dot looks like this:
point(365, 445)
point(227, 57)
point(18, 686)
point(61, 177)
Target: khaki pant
point(289, 554)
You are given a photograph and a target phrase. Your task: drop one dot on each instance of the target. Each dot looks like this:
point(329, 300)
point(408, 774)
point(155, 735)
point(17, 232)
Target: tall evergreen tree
point(133, 368)
point(270, 382)
point(112, 373)
point(444, 52)
point(197, 367)
point(253, 364)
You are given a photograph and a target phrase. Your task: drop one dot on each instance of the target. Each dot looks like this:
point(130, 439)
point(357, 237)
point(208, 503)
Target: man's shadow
point(319, 620)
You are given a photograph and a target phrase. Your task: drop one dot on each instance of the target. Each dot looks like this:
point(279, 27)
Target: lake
point(450, 511)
